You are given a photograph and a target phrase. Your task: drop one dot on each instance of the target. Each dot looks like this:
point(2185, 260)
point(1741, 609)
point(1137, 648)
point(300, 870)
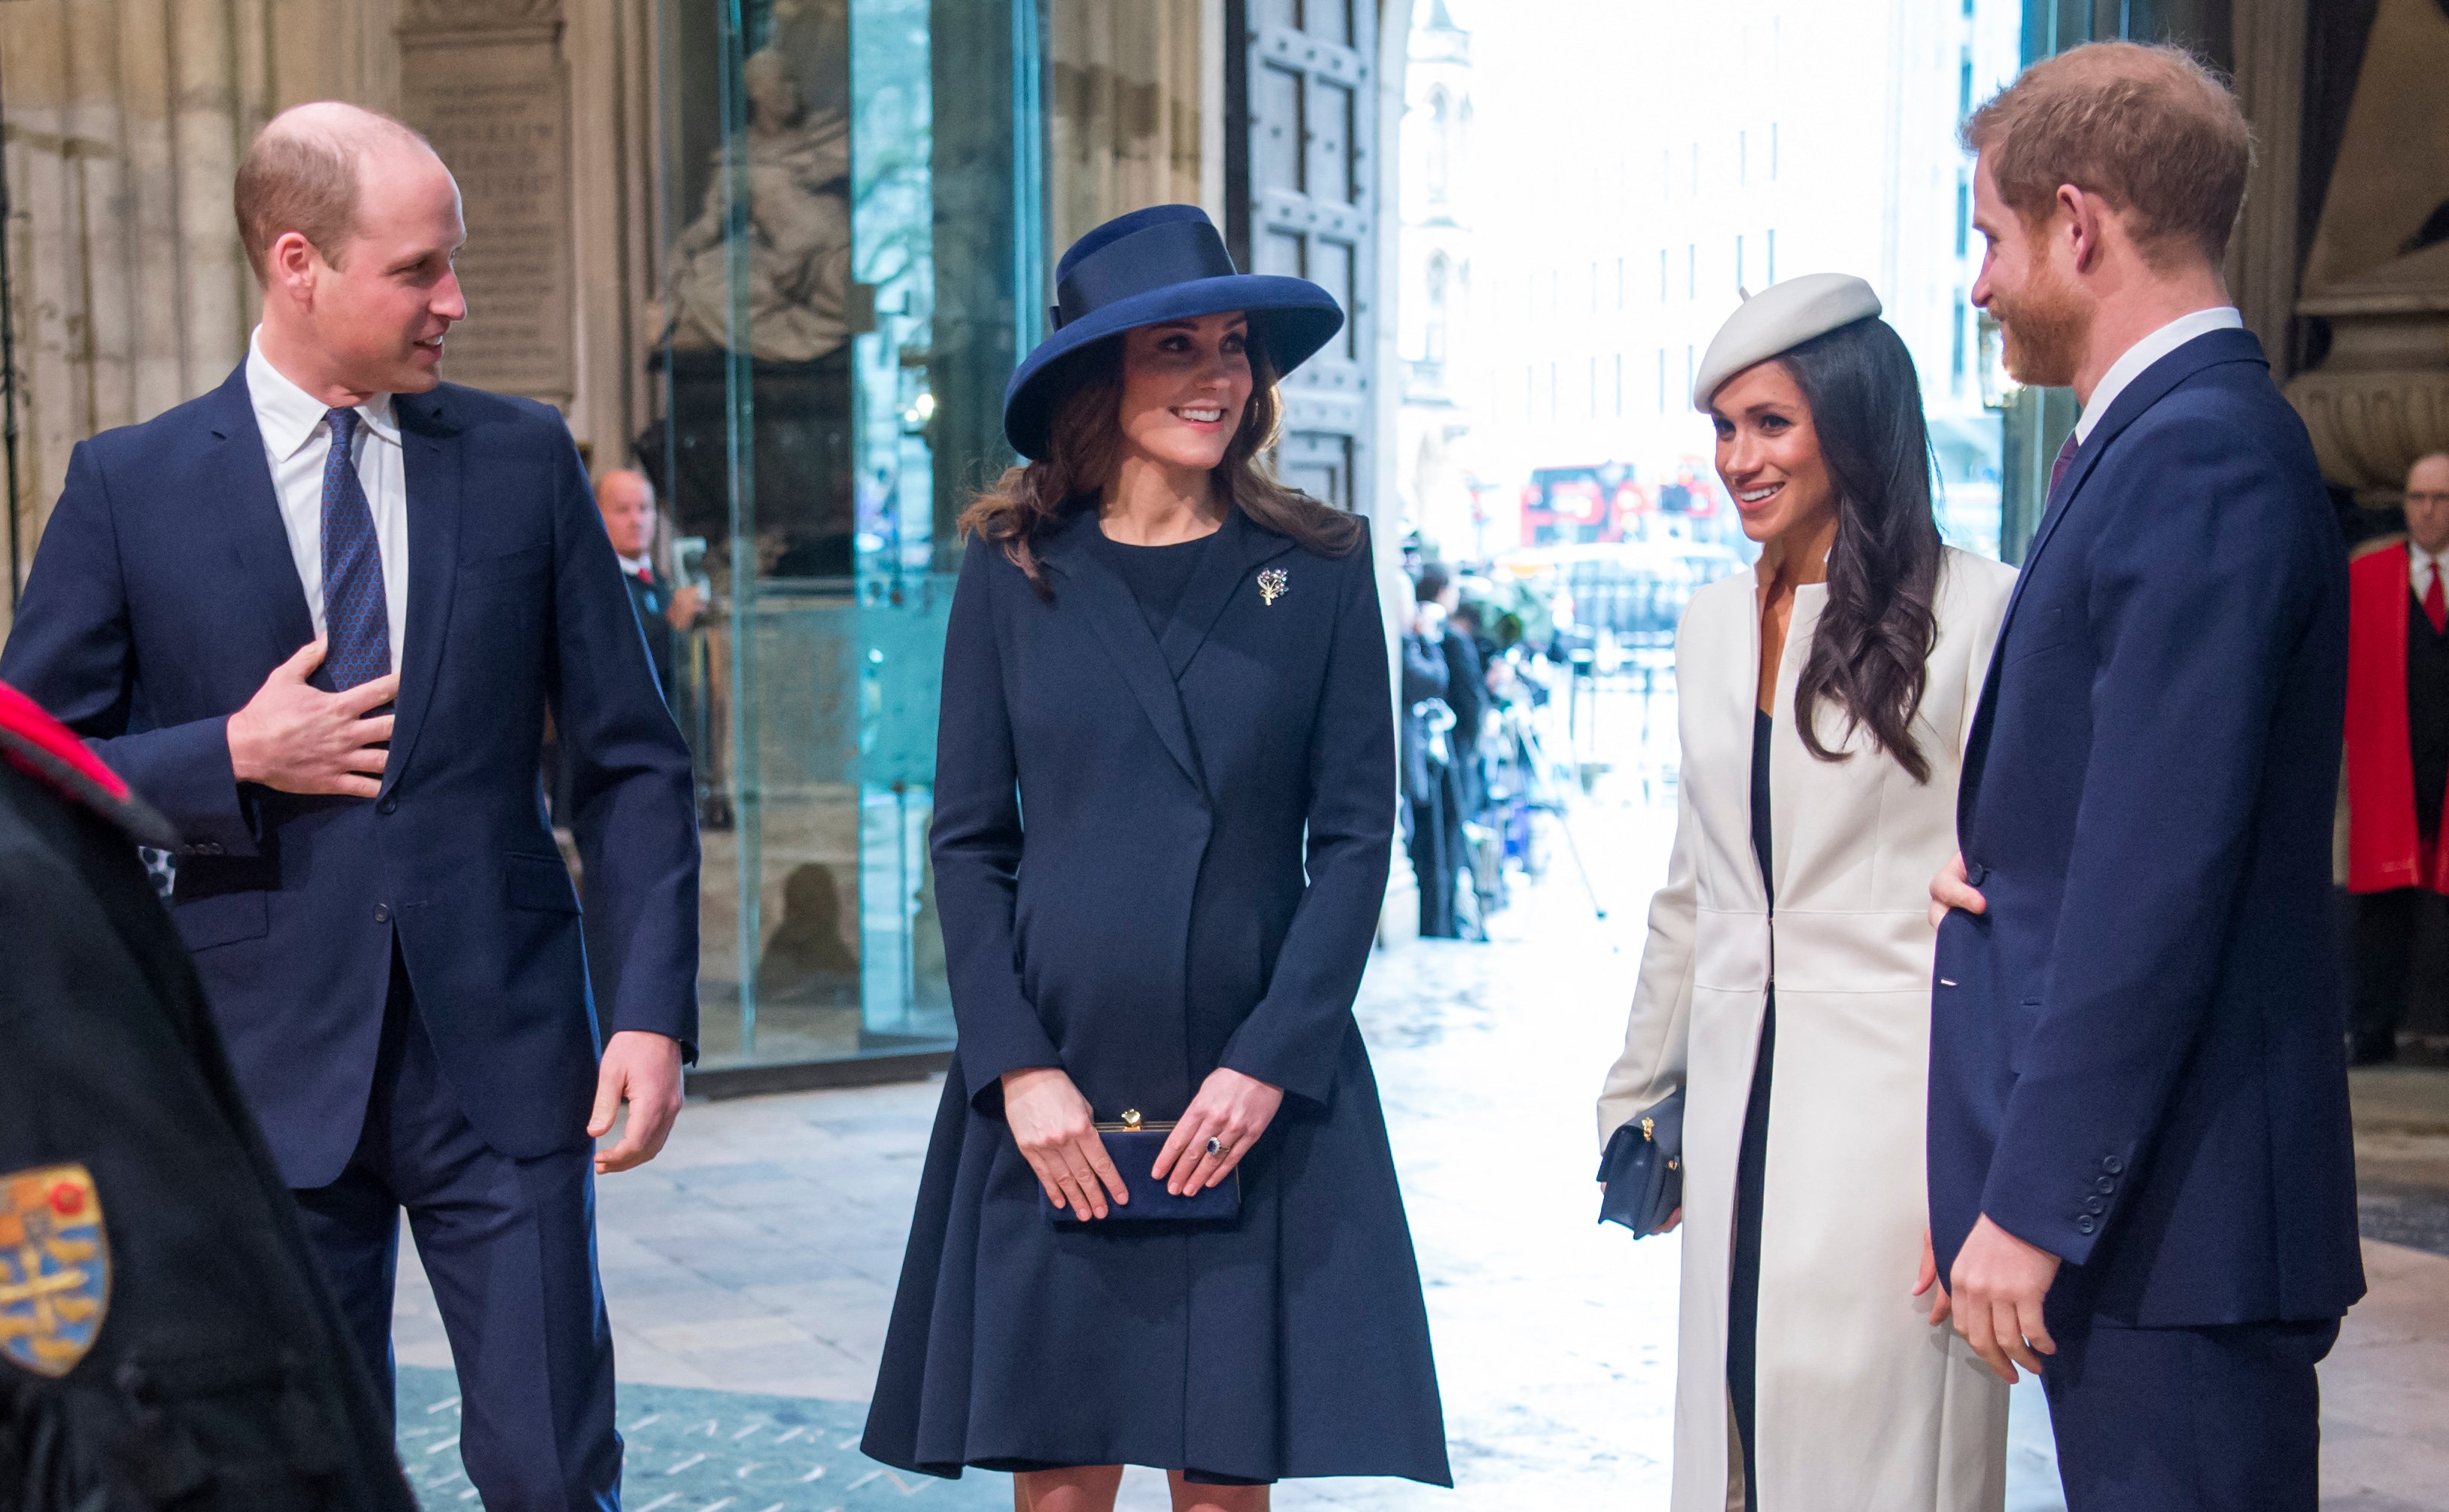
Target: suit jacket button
point(382, 913)
point(2086, 1224)
point(1975, 874)
point(2112, 1165)
point(2105, 1185)
point(2096, 1206)
point(387, 806)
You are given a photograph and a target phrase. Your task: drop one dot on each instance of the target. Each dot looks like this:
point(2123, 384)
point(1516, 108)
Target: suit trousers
point(2222, 1419)
point(510, 1247)
point(2384, 957)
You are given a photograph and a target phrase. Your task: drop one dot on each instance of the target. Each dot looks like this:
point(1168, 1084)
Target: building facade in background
point(1435, 464)
point(1639, 181)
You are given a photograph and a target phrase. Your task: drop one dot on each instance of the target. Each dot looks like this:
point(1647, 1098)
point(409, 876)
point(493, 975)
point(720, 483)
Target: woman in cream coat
point(1794, 1008)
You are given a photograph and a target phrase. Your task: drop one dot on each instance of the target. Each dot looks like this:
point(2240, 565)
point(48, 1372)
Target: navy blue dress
point(1210, 817)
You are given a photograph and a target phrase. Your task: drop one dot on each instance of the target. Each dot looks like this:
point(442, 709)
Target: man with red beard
point(2142, 1183)
point(2397, 749)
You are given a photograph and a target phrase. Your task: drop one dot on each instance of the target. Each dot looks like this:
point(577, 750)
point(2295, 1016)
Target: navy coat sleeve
point(632, 791)
point(2199, 592)
point(1294, 1038)
point(72, 651)
point(975, 842)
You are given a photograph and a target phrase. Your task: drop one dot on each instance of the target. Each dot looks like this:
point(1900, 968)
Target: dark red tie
point(644, 575)
point(2436, 606)
point(2066, 460)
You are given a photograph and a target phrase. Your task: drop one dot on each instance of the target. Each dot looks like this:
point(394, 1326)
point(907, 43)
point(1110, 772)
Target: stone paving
point(749, 1270)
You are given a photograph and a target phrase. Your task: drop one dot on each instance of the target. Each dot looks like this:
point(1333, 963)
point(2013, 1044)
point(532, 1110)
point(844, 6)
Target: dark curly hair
point(1875, 633)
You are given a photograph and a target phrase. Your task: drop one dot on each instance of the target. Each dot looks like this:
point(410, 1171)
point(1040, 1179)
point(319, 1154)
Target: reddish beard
point(2044, 325)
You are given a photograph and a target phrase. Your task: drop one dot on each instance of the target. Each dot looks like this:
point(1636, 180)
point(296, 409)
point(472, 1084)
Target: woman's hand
point(1233, 1110)
point(1928, 1281)
point(1057, 1134)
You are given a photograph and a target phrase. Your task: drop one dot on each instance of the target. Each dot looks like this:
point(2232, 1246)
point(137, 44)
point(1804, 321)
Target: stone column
point(2264, 260)
point(2377, 275)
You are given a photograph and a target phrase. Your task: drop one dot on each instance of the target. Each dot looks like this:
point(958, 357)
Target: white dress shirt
point(2130, 364)
point(2421, 568)
point(297, 441)
point(637, 566)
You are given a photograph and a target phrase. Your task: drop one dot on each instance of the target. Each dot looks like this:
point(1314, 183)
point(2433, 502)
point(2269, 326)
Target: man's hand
point(1997, 1284)
point(643, 1070)
point(1928, 1281)
point(1949, 889)
point(688, 603)
point(295, 737)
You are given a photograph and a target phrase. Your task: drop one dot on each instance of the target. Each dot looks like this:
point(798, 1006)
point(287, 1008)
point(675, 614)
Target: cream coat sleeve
point(1656, 1032)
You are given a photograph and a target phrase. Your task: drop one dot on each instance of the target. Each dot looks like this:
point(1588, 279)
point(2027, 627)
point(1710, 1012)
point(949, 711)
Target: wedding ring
point(1216, 1146)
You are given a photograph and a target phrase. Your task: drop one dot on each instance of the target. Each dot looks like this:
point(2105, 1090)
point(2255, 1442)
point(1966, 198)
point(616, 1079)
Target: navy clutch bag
point(1644, 1169)
point(1134, 1147)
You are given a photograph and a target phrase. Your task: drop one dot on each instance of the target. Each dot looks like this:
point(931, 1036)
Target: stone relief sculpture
point(799, 270)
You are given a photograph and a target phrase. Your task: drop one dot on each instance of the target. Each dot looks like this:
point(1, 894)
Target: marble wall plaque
point(485, 83)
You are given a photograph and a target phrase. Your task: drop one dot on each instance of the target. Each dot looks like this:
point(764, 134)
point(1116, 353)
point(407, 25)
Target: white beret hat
point(1780, 319)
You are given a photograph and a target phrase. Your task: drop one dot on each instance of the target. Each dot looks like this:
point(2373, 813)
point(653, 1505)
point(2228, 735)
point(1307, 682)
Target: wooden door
point(1301, 185)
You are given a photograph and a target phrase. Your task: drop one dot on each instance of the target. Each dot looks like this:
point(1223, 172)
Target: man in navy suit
point(318, 617)
point(2141, 1178)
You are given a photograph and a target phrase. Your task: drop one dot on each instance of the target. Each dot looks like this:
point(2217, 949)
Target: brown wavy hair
point(1085, 449)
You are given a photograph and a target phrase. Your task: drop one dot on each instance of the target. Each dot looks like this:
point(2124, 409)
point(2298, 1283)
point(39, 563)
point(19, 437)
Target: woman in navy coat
point(1165, 797)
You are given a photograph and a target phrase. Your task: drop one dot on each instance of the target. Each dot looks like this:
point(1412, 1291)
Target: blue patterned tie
point(357, 617)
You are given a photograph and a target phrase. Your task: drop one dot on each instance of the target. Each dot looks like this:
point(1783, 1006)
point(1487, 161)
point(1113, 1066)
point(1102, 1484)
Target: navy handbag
point(1133, 1146)
point(1644, 1169)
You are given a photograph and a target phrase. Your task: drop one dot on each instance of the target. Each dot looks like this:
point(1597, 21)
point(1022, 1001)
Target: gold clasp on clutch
point(1132, 1119)
point(1133, 1123)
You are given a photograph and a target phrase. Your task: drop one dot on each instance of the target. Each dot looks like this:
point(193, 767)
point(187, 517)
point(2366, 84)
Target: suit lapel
point(1229, 565)
point(251, 519)
point(430, 450)
point(2148, 387)
point(1092, 590)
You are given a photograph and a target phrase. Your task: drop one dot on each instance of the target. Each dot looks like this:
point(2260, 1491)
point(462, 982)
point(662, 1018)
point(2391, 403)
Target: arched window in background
point(1440, 145)
point(1440, 274)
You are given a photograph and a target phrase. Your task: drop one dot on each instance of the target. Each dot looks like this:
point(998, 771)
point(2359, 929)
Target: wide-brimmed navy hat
point(1165, 263)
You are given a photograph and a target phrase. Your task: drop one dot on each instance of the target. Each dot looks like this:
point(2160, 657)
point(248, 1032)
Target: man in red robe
point(2397, 749)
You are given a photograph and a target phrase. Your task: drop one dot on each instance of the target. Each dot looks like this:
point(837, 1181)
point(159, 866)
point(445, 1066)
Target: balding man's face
point(381, 313)
point(2428, 503)
point(629, 511)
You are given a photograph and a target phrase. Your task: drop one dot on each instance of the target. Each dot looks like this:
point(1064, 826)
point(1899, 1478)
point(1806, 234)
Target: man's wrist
point(240, 739)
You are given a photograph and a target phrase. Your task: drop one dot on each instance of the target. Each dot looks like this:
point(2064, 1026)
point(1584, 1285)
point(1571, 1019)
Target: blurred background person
point(1432, 792)
point(627, 500)
point(1785, 985)
point(1466, 678)
point(2398, 751)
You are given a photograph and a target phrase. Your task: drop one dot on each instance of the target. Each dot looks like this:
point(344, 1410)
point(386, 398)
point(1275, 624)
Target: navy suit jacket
point(165, 593)
point(2137, 1055)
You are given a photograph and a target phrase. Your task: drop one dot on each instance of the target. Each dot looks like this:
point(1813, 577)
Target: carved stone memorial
point(485, 81)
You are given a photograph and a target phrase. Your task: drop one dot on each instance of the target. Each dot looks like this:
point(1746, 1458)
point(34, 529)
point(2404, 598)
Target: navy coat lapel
point(1092, 590)
point(251, 520)
point(430, 449)
point(1229, 567)
point(2148, 387)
